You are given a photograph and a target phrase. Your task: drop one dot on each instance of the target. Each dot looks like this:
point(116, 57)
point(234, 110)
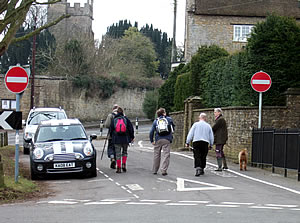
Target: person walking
point(122, 134)
point(110, 147)
point(162, 128)
point(221, 136)
point(202, 136)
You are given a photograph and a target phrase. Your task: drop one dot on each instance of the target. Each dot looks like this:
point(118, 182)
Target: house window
point(8, 104)
point(241, 32)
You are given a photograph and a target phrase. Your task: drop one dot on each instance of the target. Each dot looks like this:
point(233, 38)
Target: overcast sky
point(157, 12)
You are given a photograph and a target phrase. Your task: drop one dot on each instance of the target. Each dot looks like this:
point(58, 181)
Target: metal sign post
point(17, 141)
point(260, 82)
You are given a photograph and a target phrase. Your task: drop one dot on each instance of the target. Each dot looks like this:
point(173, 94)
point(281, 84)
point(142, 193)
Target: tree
point(204, 55)
point(150, 104)
point(14, 14)
point(274, 47)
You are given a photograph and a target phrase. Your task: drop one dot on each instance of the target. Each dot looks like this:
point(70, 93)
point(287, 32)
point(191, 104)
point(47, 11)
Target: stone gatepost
point(190, 104)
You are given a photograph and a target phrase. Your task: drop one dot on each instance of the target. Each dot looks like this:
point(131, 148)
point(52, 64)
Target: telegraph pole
point(33, 63)
point(173, 58)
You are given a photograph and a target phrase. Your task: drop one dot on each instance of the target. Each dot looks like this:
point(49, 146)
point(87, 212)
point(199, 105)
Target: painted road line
point(156, 201)
point(82, 201)
point(223, 205)
point(62, 202)
point(169, 181)
point(181, 204)
point(99, 202)
point(236, 203)
point(141, 203)
point(134, 187)
point(115, 200)
point(207, 186)
point(282, 205)
point(98, 180)
point(197, 202)
point(136, 196)
point(245, 176)
point(110, 179)
point(129, 191)
point(265, 207)
point(295, 209)
point(117, 184)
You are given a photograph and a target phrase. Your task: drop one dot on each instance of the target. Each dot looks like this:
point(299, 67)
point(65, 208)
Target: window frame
point(241, 37)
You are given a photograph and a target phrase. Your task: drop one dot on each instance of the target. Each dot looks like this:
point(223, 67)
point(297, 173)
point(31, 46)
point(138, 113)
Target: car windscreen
point(36, 117)
point(60, 133)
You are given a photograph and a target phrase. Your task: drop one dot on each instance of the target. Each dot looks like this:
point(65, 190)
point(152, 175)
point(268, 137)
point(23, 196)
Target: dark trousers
point(111, 149)
point(200, 152)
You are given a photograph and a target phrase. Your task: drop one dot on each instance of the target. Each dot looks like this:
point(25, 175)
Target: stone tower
point(79, 25)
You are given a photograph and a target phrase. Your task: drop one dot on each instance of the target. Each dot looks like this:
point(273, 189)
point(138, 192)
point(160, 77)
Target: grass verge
point(22, 190)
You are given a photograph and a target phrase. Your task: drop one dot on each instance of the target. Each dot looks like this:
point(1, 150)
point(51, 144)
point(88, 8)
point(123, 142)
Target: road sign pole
point(259, 109)
point(17, 142)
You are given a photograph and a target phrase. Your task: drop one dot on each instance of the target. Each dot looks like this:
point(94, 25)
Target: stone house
point(228, 23)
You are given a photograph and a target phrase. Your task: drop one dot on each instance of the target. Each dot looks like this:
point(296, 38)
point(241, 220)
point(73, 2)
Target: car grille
point(64, 157)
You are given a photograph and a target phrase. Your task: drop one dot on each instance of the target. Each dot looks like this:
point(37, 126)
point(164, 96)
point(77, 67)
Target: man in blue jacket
point(163, 128)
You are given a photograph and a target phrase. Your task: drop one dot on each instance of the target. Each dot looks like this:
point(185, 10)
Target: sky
point(160, 13)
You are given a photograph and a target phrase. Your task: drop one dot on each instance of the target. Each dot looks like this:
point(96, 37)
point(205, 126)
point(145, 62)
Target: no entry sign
point(261, 81)
point(16, 79)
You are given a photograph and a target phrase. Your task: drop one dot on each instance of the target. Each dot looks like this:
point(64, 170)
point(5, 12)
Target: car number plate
point(64, 165)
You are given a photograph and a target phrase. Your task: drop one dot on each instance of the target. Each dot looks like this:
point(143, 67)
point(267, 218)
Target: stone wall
point(55, 92)
point(241, 121)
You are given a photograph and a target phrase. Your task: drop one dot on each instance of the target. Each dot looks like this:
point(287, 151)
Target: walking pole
point(105, 144)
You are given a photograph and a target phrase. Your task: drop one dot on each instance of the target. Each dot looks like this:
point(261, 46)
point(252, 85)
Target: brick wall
point(55, 92)
point(241, 121)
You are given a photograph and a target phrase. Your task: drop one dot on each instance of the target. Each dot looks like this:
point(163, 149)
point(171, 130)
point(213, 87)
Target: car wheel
point(33, 175)
point(26, 150)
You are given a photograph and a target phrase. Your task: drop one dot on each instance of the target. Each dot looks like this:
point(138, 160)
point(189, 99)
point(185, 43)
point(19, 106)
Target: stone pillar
point(190, 104)
point(293, 107)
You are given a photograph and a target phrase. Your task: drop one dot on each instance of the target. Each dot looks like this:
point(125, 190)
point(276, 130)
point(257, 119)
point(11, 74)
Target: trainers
point(201, 172)
point(225, 168)
point(118, 170)
point(219, 169)
point(164, 174)
point(197, 173)
point(113, 164)
point(124, 167)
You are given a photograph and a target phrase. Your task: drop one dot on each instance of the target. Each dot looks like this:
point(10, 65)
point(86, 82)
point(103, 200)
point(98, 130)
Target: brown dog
point(243, 159)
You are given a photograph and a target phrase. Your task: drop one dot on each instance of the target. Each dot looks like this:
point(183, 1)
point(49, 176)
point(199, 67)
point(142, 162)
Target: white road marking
point(223, 205)
point(181, 186)
point(237, 203)
point(62, 202)
point(265, 207)
point(129, 191)
point(91, 181)
point(134, 187)
point(282, 205)
point(170, 181)
point(156, 201)
point(197, 202)
point(181, 204)
point(77, 200)
point(295, 209)
point(141, 203)
point(116, 200)
point(92, 203)
point(110, 179)
point(245, 176)
point(117, 184)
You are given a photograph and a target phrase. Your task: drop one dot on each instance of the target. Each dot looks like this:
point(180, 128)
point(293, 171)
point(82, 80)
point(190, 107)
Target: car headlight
point(38, 153)
point(88, 150)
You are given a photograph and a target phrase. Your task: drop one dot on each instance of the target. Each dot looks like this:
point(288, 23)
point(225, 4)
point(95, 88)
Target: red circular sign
point(261, 81)
point(16, 79)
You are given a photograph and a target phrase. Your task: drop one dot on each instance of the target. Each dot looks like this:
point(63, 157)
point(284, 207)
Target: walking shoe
point(201, 172)
point(118, 170)
point(124, 167)
point(225, 168)
point(113, 164)
point(164, 174)
point(219, 169)
point(198, 172)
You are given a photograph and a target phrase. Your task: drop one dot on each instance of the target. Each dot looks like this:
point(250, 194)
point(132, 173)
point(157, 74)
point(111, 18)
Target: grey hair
point(218, 110)
point(202, 115)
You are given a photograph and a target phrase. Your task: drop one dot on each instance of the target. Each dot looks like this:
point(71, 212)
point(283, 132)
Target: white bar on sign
point(16, 80)
point(260, 81)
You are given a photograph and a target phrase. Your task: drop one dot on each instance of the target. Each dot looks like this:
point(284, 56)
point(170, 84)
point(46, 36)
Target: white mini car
point(35, 116)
